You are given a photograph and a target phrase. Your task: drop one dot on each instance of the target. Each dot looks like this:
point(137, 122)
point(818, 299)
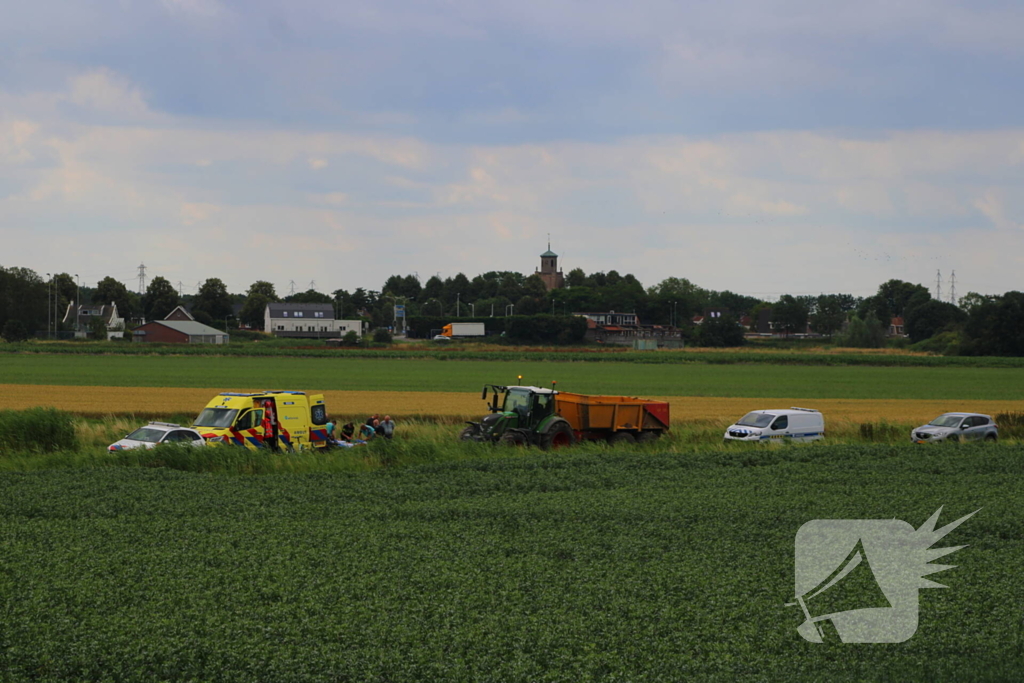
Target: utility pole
point(291, 284)
point(142, 278)
point(312, 285)
point(938, 285)
point(78, 302)
point(49, 286)
point(180, 288)
point(952, 288)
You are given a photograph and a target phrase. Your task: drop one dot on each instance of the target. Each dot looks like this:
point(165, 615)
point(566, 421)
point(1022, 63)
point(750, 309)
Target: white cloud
point(106, 91)
point(758, 212)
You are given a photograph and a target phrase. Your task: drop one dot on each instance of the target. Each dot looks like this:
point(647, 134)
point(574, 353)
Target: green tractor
point(525, 416)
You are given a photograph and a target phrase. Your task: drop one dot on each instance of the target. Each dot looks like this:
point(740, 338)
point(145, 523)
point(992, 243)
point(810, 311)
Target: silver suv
point(957, 427)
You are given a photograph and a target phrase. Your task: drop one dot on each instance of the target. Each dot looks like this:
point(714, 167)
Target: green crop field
point(738, 380)
point(569, 567)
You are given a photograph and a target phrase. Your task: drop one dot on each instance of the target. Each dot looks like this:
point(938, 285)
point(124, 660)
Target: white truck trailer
point(464, 330)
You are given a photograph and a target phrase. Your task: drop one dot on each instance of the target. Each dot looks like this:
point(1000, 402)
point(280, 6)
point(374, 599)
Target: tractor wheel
point(648, 437)
point(558, 435)
point(513, 437)
point(470, 433)
point(621, 439)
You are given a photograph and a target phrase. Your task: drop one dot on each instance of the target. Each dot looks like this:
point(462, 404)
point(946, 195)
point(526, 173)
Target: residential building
point(896, 327)
point(315, 321)
point(81, 317)
point(178, 332)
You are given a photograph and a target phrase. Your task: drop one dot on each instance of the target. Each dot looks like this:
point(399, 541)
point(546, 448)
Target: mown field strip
point(751, 380)
point(99, 401)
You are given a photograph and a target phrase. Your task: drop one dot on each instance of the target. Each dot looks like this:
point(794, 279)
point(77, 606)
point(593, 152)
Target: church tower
point(549, 272)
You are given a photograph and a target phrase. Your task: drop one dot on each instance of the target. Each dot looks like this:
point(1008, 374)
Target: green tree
point(927, 319)
point(310, 296)
point(213, 299)
point(97, 328)
point(863, 333)
point(576, 278)
point(160, 299)
point(109, 290)
point(968, 302)
point(23, 297)
point(722, 331)
point(892, 300)
point(996, 328)
point(254, 309)
point(15, 331)
point(828, 315)
point(790, 314)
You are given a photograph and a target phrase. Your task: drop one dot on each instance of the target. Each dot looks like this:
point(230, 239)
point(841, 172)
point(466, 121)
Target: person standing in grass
point(387, 427)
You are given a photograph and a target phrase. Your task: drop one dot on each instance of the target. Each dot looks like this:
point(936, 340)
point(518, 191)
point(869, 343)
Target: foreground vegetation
point(567, 566)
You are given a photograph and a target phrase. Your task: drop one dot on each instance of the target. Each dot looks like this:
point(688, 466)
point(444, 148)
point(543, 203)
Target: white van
point(794, 424)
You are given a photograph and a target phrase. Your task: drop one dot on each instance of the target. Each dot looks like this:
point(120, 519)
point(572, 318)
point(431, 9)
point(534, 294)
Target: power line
point(291, 285)
point(938, 285)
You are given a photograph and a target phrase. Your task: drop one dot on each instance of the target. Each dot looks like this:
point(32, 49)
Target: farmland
point(575, 567)
point(735, 380)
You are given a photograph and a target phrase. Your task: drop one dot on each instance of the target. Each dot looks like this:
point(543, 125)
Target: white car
point(957, 427)
point(793, 424)
point(157, 433)
point(441, 337)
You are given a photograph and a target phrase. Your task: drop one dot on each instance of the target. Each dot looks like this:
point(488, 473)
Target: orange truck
point(548, 418)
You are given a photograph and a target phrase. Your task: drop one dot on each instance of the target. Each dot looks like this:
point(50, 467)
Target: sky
point(761, 146)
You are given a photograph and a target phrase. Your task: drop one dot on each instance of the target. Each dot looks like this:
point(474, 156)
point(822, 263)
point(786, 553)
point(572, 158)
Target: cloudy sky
point(764, 146)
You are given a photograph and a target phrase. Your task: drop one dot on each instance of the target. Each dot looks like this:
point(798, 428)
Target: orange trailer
point(613, 417)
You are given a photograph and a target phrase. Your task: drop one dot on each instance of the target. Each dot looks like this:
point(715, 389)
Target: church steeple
point(549, 272)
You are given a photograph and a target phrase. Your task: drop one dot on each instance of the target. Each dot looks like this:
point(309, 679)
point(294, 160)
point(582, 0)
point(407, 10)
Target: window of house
point(284, 314)
point(280, 328)
point(298, 314)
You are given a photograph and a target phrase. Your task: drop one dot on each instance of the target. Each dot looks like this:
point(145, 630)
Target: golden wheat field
point(154, 402)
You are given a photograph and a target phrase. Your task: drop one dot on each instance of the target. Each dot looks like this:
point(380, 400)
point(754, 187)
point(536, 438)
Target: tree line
point(978, 324)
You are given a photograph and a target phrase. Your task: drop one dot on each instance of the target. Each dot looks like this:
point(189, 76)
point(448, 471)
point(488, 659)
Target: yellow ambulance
point(278, 420)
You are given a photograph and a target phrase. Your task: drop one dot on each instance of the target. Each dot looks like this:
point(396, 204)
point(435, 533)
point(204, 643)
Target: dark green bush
point(36, 429)
point(15, 331)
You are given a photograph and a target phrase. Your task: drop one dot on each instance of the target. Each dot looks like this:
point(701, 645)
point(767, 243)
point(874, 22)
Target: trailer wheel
point(648, 437)
point(621, 438)
point(558, 435)
point(513, 438)
point(470, 433)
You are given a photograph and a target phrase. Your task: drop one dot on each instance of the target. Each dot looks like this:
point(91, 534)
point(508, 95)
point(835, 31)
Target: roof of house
point(549, 254)
point(86, 311)
point(898, 321)
point(189, 327)
point(183, 310)
point(277, 309)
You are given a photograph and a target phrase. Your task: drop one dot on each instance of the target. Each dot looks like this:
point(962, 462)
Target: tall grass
point(36, 430)
point(421, 441)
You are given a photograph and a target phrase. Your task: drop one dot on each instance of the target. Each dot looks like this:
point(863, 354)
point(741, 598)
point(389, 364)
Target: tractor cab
point(512, 408)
